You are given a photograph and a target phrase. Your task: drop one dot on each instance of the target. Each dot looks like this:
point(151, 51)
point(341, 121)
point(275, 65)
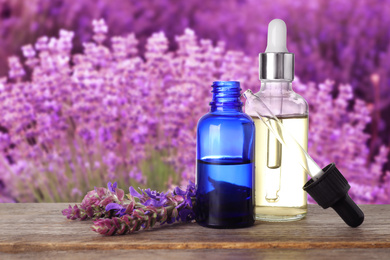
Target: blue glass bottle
point(225, 167)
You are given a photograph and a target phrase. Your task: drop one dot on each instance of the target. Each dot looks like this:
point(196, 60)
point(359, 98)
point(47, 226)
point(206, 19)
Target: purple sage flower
point(111, 187)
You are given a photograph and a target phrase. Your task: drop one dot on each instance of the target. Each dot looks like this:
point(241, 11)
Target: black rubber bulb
point(349, 211)
point(331, 190)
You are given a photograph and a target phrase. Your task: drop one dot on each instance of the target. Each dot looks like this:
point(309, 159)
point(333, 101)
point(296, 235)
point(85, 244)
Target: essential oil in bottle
point(225, 169)
point(225, 195)
point(279, 179)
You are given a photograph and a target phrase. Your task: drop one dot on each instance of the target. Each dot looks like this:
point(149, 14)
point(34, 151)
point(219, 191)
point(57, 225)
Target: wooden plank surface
point(42, 230)
point(214, 254)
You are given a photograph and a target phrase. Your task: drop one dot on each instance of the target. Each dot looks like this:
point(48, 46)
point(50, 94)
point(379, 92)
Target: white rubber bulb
point(277, 34)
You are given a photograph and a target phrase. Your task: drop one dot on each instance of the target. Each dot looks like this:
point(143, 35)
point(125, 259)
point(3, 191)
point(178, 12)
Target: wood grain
point(40, 228)
point(214, 254)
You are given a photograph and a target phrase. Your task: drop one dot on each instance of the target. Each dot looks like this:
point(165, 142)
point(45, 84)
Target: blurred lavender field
point(98, 102)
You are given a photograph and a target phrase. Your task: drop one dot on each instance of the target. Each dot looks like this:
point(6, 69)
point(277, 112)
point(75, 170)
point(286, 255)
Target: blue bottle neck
point(226, 97)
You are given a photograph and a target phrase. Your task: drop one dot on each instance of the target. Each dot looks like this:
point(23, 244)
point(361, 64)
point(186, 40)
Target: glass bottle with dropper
point(279, 180)
point(327, 186)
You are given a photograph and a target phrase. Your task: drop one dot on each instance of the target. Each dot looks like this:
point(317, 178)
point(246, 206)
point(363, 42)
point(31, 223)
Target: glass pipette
point(283, 135)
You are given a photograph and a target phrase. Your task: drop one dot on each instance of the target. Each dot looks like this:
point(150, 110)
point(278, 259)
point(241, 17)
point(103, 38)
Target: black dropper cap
point(331, 190)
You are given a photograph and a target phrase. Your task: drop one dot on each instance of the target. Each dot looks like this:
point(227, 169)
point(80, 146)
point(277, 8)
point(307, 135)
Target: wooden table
point(40, 231)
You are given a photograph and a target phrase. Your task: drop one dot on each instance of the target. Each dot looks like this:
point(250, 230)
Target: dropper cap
point(331, 190)
point(276, 63)
point(277, 36)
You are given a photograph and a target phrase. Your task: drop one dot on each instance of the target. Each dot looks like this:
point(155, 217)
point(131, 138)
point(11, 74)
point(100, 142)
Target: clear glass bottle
point(279, 178)
point(225, 168)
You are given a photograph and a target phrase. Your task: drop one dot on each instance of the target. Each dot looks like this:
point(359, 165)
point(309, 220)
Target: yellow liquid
point(279, 178)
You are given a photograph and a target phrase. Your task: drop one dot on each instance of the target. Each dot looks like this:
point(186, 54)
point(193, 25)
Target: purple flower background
point(120, 98)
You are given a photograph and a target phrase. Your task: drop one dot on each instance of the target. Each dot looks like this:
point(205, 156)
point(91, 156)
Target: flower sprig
point(115, 213)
